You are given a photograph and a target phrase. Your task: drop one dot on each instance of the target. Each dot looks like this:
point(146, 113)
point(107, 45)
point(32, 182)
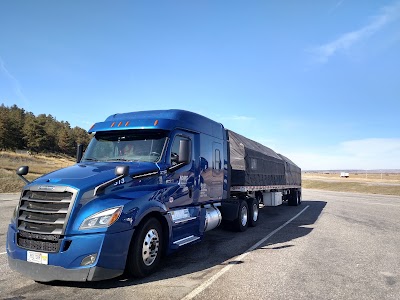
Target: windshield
point(146, 146)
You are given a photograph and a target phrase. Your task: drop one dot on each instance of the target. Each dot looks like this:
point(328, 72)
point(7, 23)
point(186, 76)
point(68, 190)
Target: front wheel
point(145, 249)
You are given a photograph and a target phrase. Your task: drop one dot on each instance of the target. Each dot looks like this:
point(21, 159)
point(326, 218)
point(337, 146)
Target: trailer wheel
point(293, 198)
point(253, 211)
point(145, 249)
point(242, 220)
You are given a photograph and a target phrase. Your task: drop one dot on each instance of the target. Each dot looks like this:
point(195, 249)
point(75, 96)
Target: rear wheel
point(294, 198)
point(253, 212)
point(145, 249)
point(242, 221)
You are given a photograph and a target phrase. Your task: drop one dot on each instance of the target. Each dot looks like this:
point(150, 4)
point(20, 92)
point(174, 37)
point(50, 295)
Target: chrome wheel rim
point(150, 247)
point(255, 212)
point(243, 214)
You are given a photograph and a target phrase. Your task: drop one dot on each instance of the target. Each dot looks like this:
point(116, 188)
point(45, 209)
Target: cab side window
point(175, 148)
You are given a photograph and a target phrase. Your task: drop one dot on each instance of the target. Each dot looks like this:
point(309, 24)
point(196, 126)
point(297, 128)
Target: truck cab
point(148, 183)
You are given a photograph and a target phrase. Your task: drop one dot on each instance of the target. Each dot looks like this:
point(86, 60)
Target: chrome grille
point(43, 216)
point(45, 207)
point(39, 242)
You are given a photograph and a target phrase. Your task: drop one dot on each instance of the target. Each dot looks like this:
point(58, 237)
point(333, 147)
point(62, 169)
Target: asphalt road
point(333, 246)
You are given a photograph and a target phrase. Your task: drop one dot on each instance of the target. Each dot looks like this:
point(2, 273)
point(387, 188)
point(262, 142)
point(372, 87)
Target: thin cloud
point(372, 147)
point(15, 83)
point(388, 14)
point(337, 5)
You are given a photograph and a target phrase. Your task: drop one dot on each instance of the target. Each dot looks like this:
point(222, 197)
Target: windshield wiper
point(90, 159)
point(119, 159)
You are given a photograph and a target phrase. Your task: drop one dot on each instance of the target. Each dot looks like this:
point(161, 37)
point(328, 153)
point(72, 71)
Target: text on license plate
point(37, 257)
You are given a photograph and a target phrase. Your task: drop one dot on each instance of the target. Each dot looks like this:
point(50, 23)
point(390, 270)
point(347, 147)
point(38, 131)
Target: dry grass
point(38, 165)
point(386, 184)
point(373, 183)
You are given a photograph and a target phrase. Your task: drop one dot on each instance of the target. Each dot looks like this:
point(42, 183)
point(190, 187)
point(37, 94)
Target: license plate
point(37, 257)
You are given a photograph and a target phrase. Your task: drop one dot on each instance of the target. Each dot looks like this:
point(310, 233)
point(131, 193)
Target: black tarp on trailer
point(253, 164)
point(292, 172)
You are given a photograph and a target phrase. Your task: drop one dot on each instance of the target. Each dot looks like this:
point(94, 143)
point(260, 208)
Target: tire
point(298, 197)
point(145, 249)
point(253, 212)
point(293, 198)
point(242, 220)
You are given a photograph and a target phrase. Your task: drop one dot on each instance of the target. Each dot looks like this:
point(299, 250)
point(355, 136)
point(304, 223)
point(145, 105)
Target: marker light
point(102, 219)
point(119, 124)
point(156, 123)
point(112, 125)
point(127, 123)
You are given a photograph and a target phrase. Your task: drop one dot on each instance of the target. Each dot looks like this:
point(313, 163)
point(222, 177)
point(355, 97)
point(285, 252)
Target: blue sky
point(318, 81)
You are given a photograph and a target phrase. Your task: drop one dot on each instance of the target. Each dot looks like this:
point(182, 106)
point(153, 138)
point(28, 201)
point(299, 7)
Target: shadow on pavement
point(221, 245)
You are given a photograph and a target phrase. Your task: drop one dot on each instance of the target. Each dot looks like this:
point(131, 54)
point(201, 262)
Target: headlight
point(102, 219)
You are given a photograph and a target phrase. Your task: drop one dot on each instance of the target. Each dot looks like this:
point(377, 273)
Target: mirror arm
point(23, 170)
point(24, 179)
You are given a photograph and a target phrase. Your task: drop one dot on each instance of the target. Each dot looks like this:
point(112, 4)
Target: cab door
point(187, 218)
point(183, 177)
point(216, 186)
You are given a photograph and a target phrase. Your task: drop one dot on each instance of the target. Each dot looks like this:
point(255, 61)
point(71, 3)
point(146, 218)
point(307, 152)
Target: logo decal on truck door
point(183, 179)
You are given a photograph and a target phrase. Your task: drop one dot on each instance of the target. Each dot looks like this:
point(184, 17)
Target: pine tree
point(81, 136)
point(16, 119)
point(21, 130)
point(3, 124)
point(35, 134)
point(66, 141)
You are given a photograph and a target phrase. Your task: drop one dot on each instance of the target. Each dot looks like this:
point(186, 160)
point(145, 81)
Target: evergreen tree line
point(43, 133)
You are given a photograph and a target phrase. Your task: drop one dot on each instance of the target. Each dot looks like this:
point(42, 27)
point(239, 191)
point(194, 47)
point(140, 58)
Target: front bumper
point(111, 251)
point(46, 273)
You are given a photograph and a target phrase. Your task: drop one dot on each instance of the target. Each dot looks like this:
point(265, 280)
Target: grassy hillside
point(38, 165)
point(377, 183)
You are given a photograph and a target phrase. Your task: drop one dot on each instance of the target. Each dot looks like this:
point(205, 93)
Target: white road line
point(212, 279)
point(1, 253)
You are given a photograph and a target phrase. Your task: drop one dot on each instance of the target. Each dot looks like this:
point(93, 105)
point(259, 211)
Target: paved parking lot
point(334, 246)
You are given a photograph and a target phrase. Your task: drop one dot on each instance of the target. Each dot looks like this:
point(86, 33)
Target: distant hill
point(378, 171)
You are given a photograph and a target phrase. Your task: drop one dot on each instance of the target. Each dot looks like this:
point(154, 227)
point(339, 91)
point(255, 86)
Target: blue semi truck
point(149, 183)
